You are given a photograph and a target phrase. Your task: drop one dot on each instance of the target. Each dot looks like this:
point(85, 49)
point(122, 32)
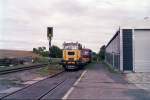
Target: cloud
point(91, 22)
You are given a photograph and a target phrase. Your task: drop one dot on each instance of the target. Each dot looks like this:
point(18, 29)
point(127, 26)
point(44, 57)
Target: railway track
point(53, 87)
point(21, 68)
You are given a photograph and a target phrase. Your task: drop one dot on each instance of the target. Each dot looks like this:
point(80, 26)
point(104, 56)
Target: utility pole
point(49, 36)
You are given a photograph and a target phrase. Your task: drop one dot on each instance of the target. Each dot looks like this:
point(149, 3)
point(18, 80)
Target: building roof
point(112, 38)
point(136, 24)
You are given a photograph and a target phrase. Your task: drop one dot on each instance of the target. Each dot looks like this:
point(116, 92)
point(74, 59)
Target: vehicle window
point(70, 53)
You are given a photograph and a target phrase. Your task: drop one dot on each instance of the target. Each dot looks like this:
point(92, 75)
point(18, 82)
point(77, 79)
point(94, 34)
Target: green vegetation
point(41, 51)
point(46, 60)
point(100, 56)
point(50, 69)
point(101, 53)
point(110, 68)
point(94, 56)
point(56, 52)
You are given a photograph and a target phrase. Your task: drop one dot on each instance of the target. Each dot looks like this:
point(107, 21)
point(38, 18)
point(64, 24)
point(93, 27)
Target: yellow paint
point(75, 57)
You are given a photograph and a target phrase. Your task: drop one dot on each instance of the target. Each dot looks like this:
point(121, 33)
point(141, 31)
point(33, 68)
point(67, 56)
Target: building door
point(142, 50)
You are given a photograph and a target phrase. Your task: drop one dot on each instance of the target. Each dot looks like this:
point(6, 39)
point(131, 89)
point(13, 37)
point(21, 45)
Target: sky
point(23, 23)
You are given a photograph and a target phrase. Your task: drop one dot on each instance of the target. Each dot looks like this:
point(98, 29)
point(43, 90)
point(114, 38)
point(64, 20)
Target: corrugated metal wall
point(142, 50)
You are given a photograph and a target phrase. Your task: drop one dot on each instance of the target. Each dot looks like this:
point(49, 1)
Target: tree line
point(101, 53)
point(56, 52)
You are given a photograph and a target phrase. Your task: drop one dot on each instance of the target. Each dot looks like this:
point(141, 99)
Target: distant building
point(129, 49)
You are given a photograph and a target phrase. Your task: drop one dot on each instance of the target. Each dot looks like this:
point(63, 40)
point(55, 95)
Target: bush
point(101, 54)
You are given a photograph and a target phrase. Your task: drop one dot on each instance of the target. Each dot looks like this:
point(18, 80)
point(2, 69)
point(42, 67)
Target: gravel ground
point(15, 81)
point(141, 80)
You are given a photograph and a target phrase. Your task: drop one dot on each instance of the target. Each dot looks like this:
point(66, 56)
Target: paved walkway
point(99, 83)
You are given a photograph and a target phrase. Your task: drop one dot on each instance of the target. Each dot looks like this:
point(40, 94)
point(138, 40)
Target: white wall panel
point(142, 50)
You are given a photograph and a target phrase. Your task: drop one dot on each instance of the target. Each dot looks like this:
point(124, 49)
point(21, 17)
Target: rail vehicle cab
point(72, 58)
point(86, 55)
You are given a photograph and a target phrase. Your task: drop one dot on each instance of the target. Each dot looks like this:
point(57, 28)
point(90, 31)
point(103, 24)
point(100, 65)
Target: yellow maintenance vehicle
point(72, 57)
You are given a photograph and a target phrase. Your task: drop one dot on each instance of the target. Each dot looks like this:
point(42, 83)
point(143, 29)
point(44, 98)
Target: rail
point(21, 68)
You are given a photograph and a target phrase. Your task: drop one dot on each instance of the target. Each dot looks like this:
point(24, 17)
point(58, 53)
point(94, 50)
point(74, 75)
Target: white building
point(129, 49)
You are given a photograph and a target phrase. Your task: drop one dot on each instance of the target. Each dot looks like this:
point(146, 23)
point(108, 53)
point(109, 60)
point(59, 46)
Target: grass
point(110, 68)
point(50, 69)
point(46, 60)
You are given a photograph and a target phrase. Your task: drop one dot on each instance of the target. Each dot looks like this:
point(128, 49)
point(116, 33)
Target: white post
point(121, 50)
point(133, 46)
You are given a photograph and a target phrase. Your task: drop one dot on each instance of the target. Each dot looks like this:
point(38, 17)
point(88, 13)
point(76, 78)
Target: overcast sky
point(23, 23)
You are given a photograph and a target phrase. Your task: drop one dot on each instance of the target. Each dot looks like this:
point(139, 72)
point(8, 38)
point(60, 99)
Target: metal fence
point(113, 59)
point(109, 58)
